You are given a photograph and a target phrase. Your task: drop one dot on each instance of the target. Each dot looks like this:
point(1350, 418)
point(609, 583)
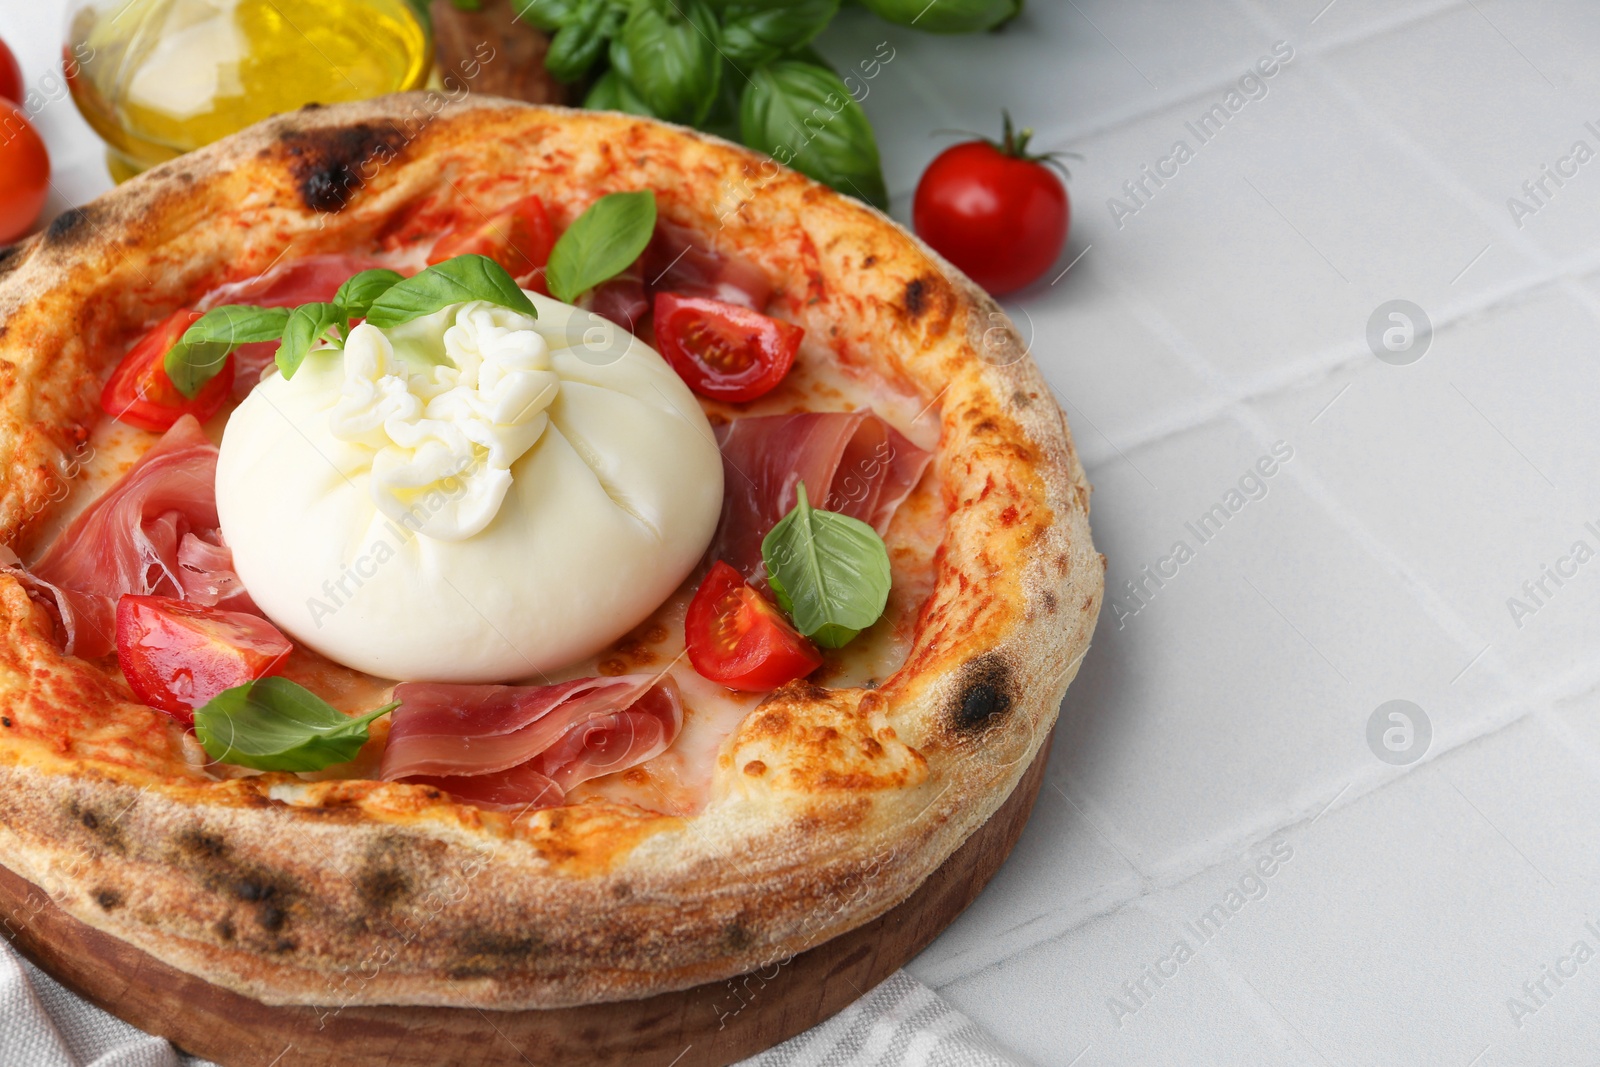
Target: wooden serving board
point(707, 1026)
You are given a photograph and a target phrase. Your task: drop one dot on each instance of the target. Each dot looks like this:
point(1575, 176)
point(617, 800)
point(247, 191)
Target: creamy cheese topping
point(474, 496)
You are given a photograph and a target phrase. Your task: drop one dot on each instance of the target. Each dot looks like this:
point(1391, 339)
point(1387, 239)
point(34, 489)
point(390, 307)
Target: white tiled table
point(1229, 715)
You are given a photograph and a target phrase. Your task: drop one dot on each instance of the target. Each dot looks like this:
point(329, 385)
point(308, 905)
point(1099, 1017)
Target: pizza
point(512, 557)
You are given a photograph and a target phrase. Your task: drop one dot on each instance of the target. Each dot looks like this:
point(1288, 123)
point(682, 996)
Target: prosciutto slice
point(524, 747)
point(677, 262)
point(852, 462)
point(154, 532)
point(312, 280)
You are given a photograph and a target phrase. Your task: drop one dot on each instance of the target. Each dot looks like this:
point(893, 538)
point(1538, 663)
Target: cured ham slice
point(677, 262)
point(852, 462)
point(622, 299)
point(312, 280)
point(525, 747)
point(154, 532)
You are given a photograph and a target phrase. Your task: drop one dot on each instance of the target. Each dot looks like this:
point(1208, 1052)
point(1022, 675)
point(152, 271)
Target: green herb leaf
point(582, 39)
point(455, 281)
point(308, 324)
point(203, 350)
point(753, 34)
point(601, 243)
point(357, 295)
point(947, 16)
point(829, 572)
point(667, 51)
point(803, 116)
point(547, 15)
point(613, 93)
point(272, 724)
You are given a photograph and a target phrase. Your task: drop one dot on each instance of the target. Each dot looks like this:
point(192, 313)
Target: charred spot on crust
point(107, 898)
point(68, 227)
point(1049, 601)
point(105, 831)
point(10, 257)
point(917, 296)
point(736, 937)
point(329, 165)
point(381, 882)
point(269, 893)
point(484, 953)
point(225, 930)
point(986, 694)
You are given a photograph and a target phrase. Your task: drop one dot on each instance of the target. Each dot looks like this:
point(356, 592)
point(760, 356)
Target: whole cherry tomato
point(176, 656)
point(722, 350)
point(739, 638)
point(139, 392)
point(24, 173)
point(10, 76)
point(994, 210)
point(519, 238)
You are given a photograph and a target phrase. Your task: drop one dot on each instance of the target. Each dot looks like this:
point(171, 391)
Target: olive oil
point(157, 78)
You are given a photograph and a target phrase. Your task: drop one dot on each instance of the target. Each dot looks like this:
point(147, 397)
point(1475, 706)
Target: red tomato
point(140, 393)
point(724, 351)
point(738, 638)
point(994, 210)
point(24, 173)
point(10, 76)
point(177, 655)
point(519, 239)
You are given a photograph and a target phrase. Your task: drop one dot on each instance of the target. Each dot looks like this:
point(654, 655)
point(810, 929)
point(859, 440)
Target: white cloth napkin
point(901, 1023)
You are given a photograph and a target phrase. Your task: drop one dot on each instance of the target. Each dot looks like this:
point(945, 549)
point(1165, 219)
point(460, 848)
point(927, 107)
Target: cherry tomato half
point(519, 239)
point(140, 393)
point(10, 76)
point(739, 638)
point(24, 173)
point(177, 655)
point(994, 210)
point(724, 351)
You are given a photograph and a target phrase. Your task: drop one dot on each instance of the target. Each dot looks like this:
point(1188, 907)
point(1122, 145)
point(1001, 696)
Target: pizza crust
point(828, 807)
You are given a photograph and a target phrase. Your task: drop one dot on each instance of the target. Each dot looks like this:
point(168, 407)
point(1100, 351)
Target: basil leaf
point(547, 15)
point(308, 324)
point(356, 296)
point(803, 116)
point(203, 350)
point(613, 93)
point(455, 281)
point(272, 724)
point(601, 243)
point(753, 34)
point(830, 572)
point(668, 52)
point(582, 38)
point(947, 16)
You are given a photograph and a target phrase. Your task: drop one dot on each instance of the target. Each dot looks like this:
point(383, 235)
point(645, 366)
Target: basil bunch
point(742, 69)
point(383, 297)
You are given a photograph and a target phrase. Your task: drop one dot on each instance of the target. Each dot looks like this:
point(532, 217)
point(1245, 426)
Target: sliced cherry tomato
point(140, 393)
point(519, 239)
point(996, 211)
point(177, 655)
point(24, 173)
point(10, 76)
point(739, 638)
point(724, 351)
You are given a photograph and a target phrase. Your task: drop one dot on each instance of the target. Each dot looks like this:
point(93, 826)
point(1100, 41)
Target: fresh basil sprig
point(455, 281)
point(755, 33)
point(308, 324)
point(204, 348)
point(804, 117)
point(601, 243)
point(360, 291)
point(668, 50)
point(947, 16)
point(272, 724)
point(829, 572)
